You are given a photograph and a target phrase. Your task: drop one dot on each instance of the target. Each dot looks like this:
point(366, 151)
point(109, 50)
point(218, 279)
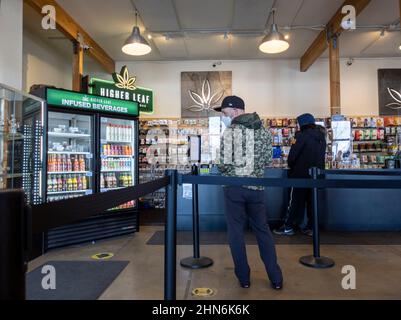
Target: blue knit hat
point(306, 119)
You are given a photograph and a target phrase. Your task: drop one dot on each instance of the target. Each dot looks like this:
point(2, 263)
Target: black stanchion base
point(317, 263)
point(193, 263)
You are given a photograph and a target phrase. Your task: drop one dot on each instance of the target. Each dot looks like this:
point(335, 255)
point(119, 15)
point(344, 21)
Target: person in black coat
point(309, 151)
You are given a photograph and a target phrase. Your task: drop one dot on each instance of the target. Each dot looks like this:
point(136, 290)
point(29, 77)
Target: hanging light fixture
point(274, 42)
point(136, 45)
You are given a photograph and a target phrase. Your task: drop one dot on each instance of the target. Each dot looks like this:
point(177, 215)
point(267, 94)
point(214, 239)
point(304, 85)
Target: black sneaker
point(307, 232)
point(245, 285)
point(284, 231)
point(277, 286)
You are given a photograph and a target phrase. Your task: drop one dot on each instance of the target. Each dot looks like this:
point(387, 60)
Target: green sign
point(75, 100)
point(123, 87)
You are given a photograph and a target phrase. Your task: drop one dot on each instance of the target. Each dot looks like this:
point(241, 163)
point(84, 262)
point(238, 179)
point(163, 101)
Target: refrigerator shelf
point(66, 192)
point(116, 156)
point(68, 135)
point(116, 170)
point(70, 152)
point(110, 189)
point(115, 141)
point(69, 172)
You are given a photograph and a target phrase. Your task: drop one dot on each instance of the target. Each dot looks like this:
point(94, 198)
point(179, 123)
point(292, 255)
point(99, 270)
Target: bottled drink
point(49, 163)
point(107, 131)
point(64, 182)
point(79, 183)
point(59, 183)
point(74, 183)
point(129, 133)
point(84, 183)
point(112, 132)
point(49, 184)
point(69, 164)
point(114, 180)
point(118, 132)
point(82, 163)
point(69, 183)
point(123, 133)
point(76, 163)
point(102, 185)
point(54, 184)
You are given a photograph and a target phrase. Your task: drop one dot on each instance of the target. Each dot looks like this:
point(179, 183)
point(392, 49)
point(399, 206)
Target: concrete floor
point(378, 271)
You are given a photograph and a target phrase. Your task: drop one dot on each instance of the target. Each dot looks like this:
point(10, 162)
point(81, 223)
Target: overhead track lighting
point(274, 42)
point(136, 45)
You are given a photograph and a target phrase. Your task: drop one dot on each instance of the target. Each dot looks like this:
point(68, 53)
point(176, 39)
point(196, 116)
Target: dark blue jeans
point(243, 204)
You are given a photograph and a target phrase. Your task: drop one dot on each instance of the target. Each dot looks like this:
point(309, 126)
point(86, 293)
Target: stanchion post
point(316, 261)
point(195, 222)
point(170, 243)
point(316, 233)
point(12, 245)
point(196, 262)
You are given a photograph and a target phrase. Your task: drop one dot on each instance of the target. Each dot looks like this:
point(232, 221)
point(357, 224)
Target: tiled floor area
point(378, 270)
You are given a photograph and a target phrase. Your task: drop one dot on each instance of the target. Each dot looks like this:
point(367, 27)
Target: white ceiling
point(110, 23)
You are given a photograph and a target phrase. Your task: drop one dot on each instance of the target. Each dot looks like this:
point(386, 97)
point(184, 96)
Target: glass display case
point(21, 143)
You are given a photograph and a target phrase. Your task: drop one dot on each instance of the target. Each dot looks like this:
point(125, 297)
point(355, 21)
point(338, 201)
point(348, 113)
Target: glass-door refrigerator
point(118, 145)
point(92, 146)
point(70, 140)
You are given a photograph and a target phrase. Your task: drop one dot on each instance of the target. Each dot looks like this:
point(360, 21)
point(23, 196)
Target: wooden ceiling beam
point(71, 29)
point(320, 45)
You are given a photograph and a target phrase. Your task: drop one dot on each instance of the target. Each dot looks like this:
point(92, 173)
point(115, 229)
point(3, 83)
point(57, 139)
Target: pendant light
point(274, 42)
point(136, 45)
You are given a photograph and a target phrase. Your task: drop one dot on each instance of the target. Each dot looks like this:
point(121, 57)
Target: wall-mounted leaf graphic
point(123, 80)
point(206, 102)
point(206, 90)
point(216, 98)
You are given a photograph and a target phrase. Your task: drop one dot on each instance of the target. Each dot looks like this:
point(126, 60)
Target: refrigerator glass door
point(69, 156)
point(118, 150)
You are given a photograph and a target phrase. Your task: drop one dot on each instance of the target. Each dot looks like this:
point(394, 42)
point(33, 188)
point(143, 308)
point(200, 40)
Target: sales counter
point(340, 209)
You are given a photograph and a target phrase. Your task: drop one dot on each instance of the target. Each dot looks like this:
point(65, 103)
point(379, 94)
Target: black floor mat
point(75, 280)
point(339, 238)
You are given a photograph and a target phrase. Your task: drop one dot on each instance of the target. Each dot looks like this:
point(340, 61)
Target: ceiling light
point(286, 36)
point(274, 42)
point(149, 36)
point(399, 47)
point(136, 45)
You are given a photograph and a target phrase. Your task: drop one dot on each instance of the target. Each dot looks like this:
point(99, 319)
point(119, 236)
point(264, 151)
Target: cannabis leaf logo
point(206, 102)
point(397, 98)
point(123, 81)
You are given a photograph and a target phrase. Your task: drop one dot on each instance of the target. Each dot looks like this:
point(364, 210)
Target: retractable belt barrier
point(292, 183)
point(18, 221)
point(71, 210)
point(315, 183)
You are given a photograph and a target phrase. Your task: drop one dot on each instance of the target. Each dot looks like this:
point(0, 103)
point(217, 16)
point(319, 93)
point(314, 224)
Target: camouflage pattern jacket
point(246, 149)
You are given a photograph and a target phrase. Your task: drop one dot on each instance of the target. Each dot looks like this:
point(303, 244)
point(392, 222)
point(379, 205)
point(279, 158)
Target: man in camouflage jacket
point(246, 150)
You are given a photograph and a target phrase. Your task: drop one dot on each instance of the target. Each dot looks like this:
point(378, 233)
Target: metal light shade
point(136, 45)
point(274, 42)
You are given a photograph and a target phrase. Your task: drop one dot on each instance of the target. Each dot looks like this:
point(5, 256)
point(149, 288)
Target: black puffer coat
point(309, 151)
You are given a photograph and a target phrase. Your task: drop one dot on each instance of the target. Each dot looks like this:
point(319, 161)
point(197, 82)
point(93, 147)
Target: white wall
point(359, 85)
point(44, 64)
point(11, 43)
point(270, 87)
